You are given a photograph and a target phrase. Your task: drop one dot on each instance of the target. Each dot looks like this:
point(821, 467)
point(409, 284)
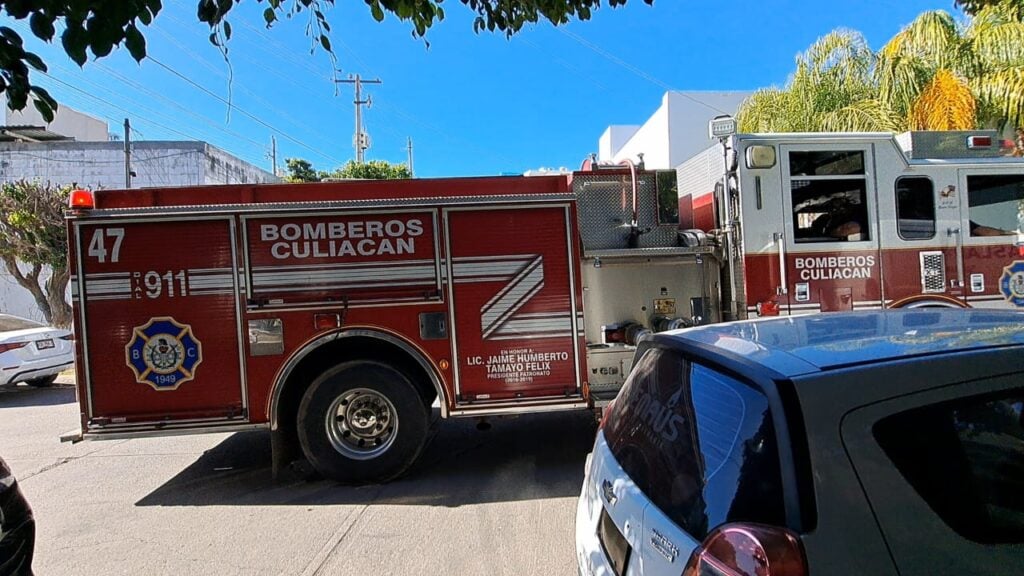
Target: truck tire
point(362, 422)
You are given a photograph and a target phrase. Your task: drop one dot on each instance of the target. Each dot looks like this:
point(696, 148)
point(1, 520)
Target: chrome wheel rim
point(362, 424)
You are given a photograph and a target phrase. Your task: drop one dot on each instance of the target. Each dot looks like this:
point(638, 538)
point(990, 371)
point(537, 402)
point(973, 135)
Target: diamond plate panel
point(605, 206)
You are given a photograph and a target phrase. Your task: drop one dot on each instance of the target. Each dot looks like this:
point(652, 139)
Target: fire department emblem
point(1011, 284)
point(163, 353)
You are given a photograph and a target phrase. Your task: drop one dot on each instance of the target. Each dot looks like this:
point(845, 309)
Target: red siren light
point(81, 200)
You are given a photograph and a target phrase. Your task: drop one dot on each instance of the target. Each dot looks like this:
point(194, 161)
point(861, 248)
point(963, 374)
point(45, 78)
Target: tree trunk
point(30, 282)
point(56, 288)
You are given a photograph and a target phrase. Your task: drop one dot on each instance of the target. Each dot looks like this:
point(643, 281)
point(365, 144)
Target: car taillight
point(748, 550)
point(12, 346)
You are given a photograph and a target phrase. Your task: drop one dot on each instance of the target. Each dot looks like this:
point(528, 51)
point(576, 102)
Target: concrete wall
point(677, 130)
point(66, 122)
point(97, 165)
point(223, 168)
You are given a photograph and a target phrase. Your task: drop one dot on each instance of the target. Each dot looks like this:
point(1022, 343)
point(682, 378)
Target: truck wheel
point(42, 382)
point(362, 422)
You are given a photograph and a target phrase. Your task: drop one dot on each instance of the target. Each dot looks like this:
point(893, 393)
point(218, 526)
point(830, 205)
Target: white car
point(33, 353)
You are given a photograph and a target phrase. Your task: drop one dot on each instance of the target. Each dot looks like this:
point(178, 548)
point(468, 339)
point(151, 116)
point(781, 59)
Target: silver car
point(33, 353)
point(883, 443)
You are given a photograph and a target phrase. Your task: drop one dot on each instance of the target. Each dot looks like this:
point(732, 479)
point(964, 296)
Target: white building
point(677, 130)
point(67, 122)
point(97, 165)
point(75, 149)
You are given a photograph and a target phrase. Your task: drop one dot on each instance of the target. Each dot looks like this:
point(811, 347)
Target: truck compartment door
point(158, 303)
point(512, 284)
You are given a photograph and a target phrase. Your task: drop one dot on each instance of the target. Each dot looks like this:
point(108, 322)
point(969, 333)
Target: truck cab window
point(995, 204)
point(915, 208)
point(829, 196)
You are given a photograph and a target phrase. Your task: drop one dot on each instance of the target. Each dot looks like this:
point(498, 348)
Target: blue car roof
point(797, 345)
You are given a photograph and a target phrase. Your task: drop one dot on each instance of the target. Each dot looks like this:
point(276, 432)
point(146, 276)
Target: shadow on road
point(526, 458)
point(22, 396)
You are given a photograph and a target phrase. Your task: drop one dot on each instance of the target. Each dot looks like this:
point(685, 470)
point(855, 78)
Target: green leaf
point(101, 47)
point(44, 110)
point(42, 26)
point(34, 61)
point(377, 12)
point(227, 30)
point(43, 95)
point(135, 42)
point(11, 36)
point(74, 41)
point(145, 16)
point(325, 42)
point(270, 16)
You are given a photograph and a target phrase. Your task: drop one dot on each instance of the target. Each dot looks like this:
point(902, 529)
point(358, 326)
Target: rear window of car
point(9, 323)
point(699, 443)
point(966, 460)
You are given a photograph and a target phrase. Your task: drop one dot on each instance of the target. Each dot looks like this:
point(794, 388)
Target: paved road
point(495, 502)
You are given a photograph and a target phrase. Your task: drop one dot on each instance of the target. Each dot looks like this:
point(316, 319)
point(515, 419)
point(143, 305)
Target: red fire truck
point(823, 222)
point(337, 314)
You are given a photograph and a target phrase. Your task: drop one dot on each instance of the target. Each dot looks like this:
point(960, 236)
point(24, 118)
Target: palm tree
point(935, 74)
point(832, 89)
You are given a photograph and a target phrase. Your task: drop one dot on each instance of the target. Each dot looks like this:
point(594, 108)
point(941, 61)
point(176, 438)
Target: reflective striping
point(535, 325)
point(512, 297)
point(341, 276)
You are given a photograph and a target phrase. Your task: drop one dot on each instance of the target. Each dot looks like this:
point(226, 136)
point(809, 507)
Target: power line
point(115, 106)
point(136, 105)
point(240, 110)
point(160, 96)
point(634, 69)
point(272, 108)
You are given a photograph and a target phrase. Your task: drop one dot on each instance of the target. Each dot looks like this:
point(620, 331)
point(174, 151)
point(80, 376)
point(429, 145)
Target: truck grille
point(933, 272)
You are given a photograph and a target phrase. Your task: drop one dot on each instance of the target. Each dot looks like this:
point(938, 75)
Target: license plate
point(616, 549)
point(44, 344)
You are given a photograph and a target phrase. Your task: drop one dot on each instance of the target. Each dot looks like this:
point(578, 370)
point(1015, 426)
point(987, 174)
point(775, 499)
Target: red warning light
point(81, 200)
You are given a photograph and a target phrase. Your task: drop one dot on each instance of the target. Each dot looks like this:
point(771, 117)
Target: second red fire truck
point(337, 314)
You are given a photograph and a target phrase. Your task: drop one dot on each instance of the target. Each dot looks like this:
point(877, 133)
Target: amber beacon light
point(81, 200)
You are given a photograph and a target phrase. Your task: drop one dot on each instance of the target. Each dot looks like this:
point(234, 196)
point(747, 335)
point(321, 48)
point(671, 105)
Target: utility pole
point(360, 141)
point(408, 149)
point(273, 155)
point(127, 154)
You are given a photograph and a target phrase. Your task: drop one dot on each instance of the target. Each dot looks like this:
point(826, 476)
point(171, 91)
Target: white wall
point(66, 122)
point(677, 130)
point(689, 114)
point(614, 137)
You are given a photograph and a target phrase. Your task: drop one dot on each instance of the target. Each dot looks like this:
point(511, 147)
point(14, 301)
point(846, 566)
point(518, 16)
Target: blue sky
point(473, 104)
